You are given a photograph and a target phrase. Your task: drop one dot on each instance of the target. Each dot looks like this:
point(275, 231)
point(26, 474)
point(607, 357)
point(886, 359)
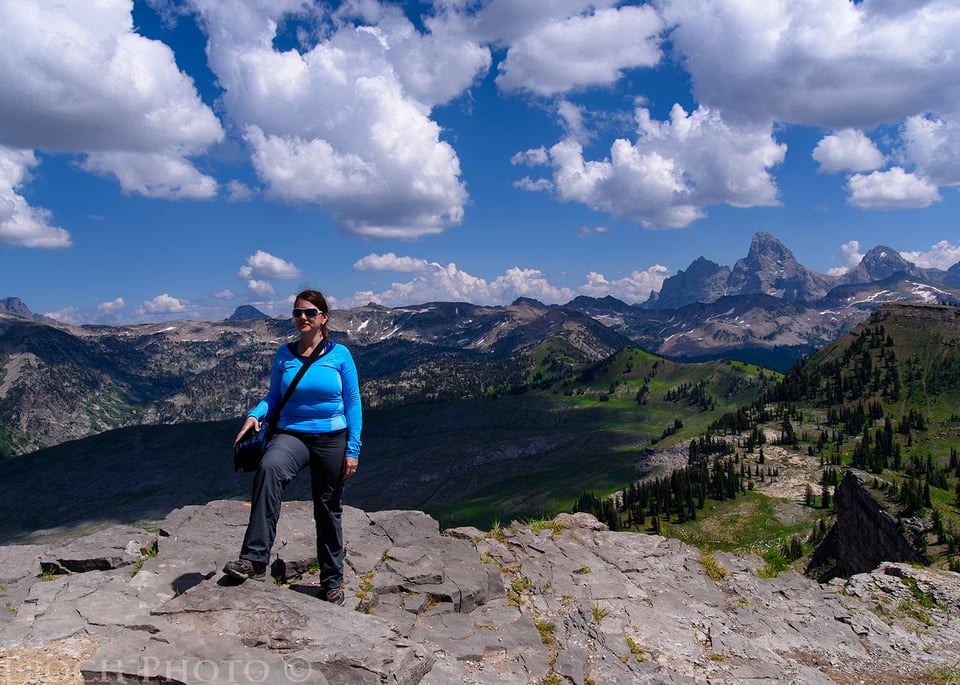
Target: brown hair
point(316, 298)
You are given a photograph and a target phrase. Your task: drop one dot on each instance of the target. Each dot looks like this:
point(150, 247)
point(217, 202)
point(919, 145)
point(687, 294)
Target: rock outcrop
point(864, 535)
point(565, 601)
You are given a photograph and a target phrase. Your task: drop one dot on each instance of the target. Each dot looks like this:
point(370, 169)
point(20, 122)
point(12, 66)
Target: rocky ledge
point(565, 601)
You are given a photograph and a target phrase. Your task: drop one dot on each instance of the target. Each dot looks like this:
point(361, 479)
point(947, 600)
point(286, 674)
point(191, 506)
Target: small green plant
point(775, 564)
point(518, 586)
point(314, 568)
point(925, 599)
point(915, 612)
point(599, 613)
point(713, 568)
point(47, 574)
point(635, 649)
point(496, 531)
point(366, 585)
point(553, 525)
point(546, 630)
point(948, 675)
point(148, 553)
point(520, 583)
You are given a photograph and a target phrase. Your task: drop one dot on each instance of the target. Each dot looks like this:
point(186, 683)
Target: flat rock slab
point(105, 549)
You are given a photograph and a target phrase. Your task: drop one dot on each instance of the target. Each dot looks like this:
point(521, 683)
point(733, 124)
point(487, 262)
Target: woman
point(319, 427)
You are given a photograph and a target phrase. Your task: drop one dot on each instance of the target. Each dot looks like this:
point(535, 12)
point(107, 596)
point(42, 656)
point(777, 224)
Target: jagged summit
point(771, 268)
point(702, 281)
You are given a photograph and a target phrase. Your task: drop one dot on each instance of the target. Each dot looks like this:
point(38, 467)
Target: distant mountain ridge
point(59, 382)
point(771, 269)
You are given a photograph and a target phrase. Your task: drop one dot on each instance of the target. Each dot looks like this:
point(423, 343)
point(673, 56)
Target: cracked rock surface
point(564, 602)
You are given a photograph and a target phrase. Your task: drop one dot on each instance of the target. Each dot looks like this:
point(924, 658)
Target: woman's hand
point(250, 424)
point(350, 466)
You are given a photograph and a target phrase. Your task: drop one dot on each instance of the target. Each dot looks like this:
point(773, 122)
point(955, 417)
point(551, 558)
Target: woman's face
point(302, 319)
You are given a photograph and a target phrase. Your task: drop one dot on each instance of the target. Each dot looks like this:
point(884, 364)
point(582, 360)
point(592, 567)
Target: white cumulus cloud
point(932, 143)
point(942, 255)
point(533, 157)
point(891, 189)
point(563, 53)
point(853, 67)
point(22, 225)
point(260, 288)
point(391, 262)
point(630, 289)
point(829, 63)
point(77, 78)
point(339, 124)
point(238, 191)
point(112, 307)
point(850, 256)
point(534, 185)
point(449, 283)
point(847, 150)
point(263, 265)
point(156, 175)
point(163, 304)
point(673, 170)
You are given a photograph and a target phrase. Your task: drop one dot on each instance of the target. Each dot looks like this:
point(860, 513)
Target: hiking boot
point(335, 596)
point(244, 569)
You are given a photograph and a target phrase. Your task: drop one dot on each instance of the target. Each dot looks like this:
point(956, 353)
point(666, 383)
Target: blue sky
point(173, 159)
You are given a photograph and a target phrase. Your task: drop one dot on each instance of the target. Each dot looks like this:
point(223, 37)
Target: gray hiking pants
point(287, 454)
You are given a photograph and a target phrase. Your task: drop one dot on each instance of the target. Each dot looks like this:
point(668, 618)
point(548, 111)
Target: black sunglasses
point(309, 312)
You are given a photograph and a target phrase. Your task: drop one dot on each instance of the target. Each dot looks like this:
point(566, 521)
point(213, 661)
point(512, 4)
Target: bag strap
point(318, 352)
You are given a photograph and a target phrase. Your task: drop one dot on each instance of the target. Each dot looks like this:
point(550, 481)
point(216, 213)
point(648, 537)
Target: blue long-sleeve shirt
point(326, 399)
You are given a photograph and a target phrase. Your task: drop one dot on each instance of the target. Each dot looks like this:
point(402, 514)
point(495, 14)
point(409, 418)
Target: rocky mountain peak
point(878, 264)
point(16, 307)
point(767, 259)
point(771, 268)
point(703, 281)
point(246, 312)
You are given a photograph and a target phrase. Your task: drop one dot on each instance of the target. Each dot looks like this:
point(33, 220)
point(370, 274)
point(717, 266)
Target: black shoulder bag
point(249, 450)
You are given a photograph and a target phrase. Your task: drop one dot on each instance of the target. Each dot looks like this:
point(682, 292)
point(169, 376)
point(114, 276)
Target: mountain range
point(59, 382)
point(771, 269)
